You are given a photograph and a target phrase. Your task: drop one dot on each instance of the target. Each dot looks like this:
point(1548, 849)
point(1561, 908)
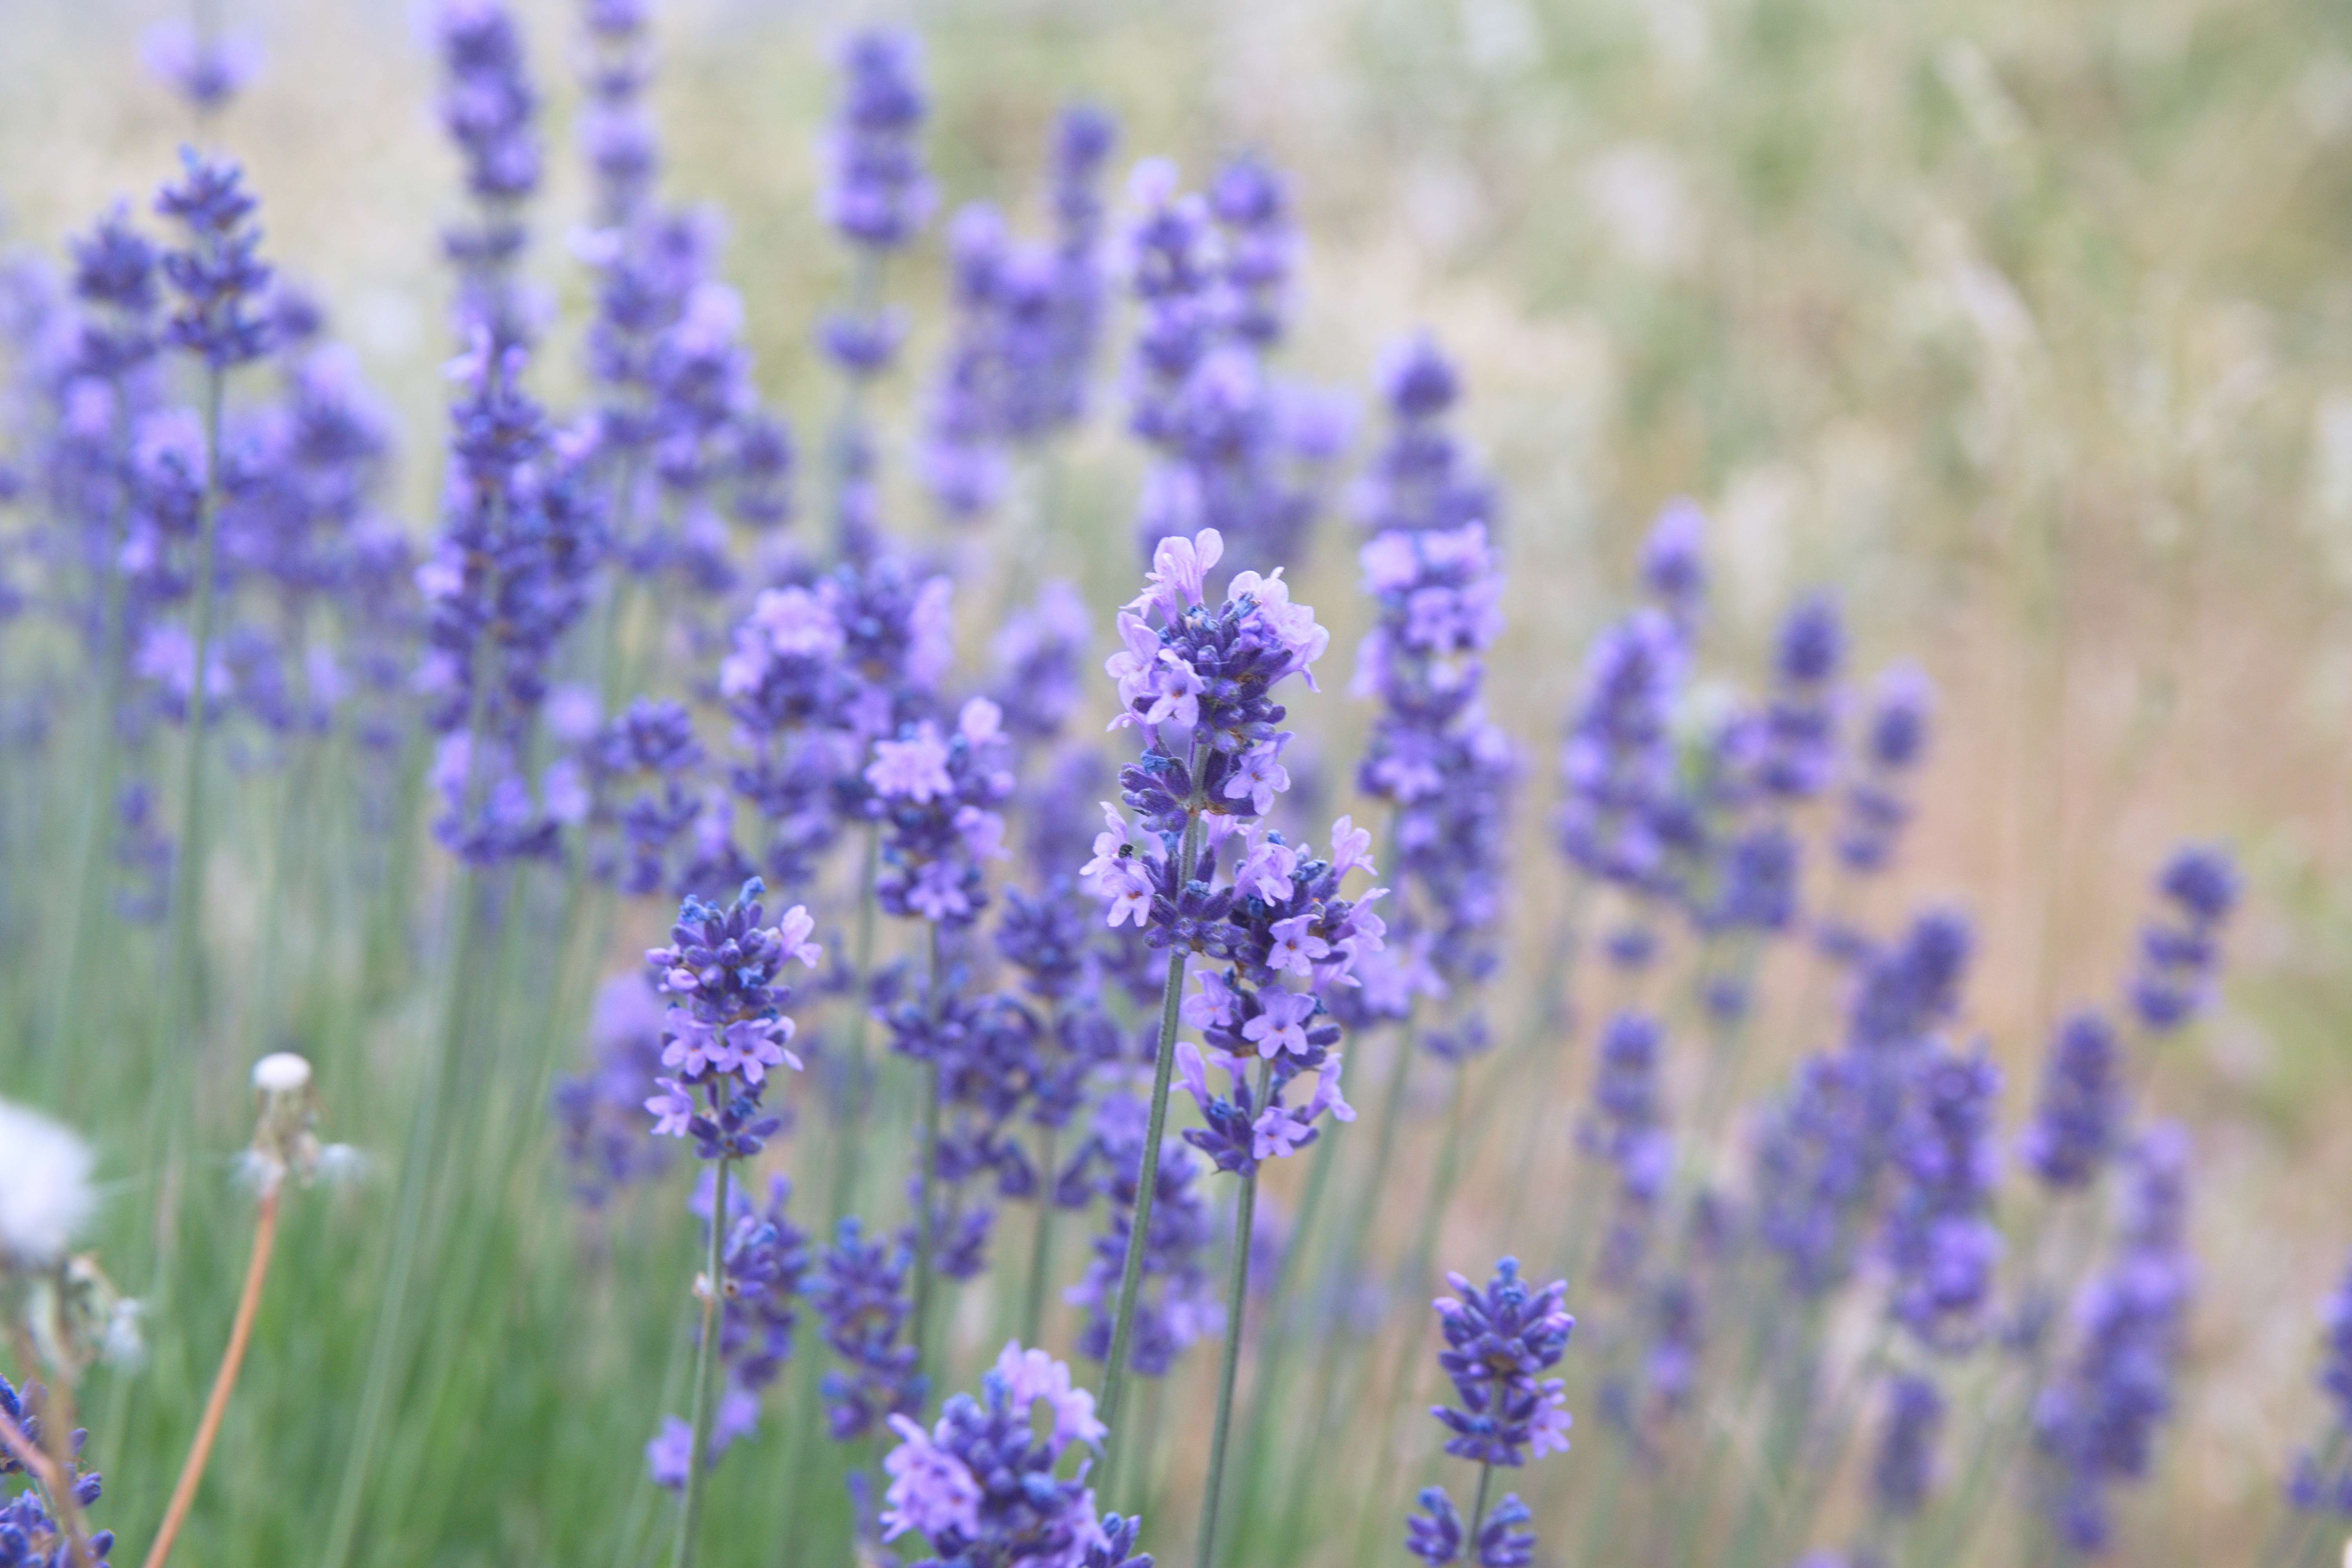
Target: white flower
point(45, 1191)
point(280, 1072)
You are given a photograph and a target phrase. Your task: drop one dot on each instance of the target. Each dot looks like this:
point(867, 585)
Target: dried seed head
point(282, 1137)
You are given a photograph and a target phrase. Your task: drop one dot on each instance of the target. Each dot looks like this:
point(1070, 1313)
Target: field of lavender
point(717, 721)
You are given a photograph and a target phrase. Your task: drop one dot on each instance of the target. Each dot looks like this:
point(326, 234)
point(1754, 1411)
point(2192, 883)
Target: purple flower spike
point(726, 1027)
point(218, 278)
point(877, 192)
point(2180, 949)
point(2079, 1119)
point(981, 1486)
point(1496, 1340)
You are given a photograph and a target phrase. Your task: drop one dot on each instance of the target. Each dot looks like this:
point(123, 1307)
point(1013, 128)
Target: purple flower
point(208, 71)
point(1447, 771)
point(30, 1532)
point(859, 1291)
point(1496, 1340)
point(981, 1485)
point(616, 132)
point(1895, 735)
point(2079, 1119)
point(1422, 479)
point(489, 107)
point(727, 1025)
point(1903, 1472)
point(1940, 1236)
point(1434, 1534)
point(2180, 948)
point(2335, 1367)
point(877, 192)
point(218, 277)
point(2096, 1421)
point(604, 1142)
point(1618, 764)
point(1800, 737)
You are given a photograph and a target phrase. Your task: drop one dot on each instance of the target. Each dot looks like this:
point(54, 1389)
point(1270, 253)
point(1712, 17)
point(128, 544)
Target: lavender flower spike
point(1497, 1340)
point(727, 1026)
point(981, 1485)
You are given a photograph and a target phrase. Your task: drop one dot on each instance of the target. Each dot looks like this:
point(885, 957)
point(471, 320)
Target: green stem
point(1236, 1309)
point(1130, 1281)
point(1272, 1358)
point(187, 881)
point(1041, 1248)
point(417, 1165)
point(848, 1130)
point(1478, 1508)
point(706, 1374)
point(927, 1160)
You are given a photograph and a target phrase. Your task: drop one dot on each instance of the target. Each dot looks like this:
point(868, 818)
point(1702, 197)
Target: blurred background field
point(2026, 327)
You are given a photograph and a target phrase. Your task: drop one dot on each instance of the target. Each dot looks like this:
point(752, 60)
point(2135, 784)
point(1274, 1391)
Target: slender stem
point(927, 1162)
point(416, 1174)
point(187, 882)
point(1237, 1312)
point(240, 1335)
point(848, 1136)
point(1130, 1280)
point(1273, 1357)
point(54, 1481)
point(1425, 1248)
point(706, 1372)
point(1041, 1250)
point(1478, 1508)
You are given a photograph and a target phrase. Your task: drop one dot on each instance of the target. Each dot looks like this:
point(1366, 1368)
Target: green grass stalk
point(1236, 1314)
point(706, 1375)
point(1148, 1175)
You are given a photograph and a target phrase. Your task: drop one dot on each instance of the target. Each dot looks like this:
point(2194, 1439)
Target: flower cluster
point(489, 107)
point(1039, 653)
point(1618, 765)
point(1903, 1472)
point(877, 192)
point(218, 278)
point(1446, 769)
point(616, 133)
point(1421, 480)
point(986, 1054)
point(1027, 321)
point(1625, 1128)
point(981, 1486)
point(1894, 738)
point(726, 1027)
point(935, 797)
point(2079, 1119)
point(680, 430)
point(31, 1534)
point(2309, 1488)
point(859, 1290)
point(1238, 453)
point(509, 576)
point(1281, 915)
point(819, 672)
point(2095, 1425)
point(1498, 1341)
point(1940, 1236)
point(203, 66)
point(1203, 678)
point(2180, 949)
